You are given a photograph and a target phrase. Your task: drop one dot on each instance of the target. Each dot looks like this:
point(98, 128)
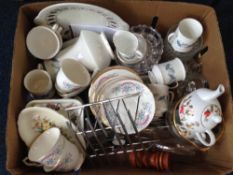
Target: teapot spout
point(206, 94)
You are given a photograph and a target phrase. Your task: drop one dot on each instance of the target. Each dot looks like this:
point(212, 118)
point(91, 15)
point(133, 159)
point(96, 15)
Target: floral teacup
point(52, 150)
point(168, 72)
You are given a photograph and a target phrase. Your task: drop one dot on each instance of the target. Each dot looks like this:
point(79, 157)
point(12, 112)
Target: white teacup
point(91, 49)
point(38, 83)
point(189, 30)
point(52, 67)
point(44, 42)
point(72, 76)
point(168, 72)
point(162, 97)
point(52, 150)
point(129, 46)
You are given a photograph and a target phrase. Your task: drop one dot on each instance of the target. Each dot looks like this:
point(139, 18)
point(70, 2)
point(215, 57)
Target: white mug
point(162, 97)
point(168, 72)
point(72, 76)
point(53, 151)
point(44, 42)
point(52, 67)
point(91, 49)
point(189, 30)
point(130, 47)
point(38, 83)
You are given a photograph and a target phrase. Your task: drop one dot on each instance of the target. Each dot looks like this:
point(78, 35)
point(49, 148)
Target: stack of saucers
point(119, 81)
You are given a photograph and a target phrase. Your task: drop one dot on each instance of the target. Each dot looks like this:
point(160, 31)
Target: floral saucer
point(60, 105)
point(107, 74)
point(32, 121)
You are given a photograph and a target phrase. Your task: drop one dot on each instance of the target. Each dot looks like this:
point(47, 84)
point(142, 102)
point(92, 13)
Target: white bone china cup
point(52, 150)
point(44, 42)
point(168, 72)
point(127, 44)
point(189, 30)
point(163, 97)
point(38, 83)
point(72, 76)
point(91, 49)
point(52, 67)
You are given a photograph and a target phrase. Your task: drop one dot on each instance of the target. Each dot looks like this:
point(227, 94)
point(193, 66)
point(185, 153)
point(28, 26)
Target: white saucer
point(32, 121)
point(43, 42)
point(60, 105)
point(108, 74)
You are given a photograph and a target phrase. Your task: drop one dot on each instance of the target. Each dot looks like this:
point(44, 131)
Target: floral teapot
point(199, 112)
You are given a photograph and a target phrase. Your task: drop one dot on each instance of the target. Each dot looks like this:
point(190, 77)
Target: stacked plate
point(80, 16)
point(119, 81)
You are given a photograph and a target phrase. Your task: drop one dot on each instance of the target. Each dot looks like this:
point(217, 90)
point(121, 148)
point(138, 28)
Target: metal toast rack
point(100, 139)
point(104, 141)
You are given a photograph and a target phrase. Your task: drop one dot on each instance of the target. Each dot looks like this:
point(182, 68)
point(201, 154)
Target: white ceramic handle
point(152, 77)
point(170, 36)
point(211, 135)
point(27, 162)
point(40, 66)
point(139, 54)
point(171, 96)
point(174, 85)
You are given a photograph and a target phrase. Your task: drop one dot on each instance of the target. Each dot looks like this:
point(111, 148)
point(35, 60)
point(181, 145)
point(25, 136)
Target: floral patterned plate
point(59, 105)
point(32, 121)
point(107, 74)
point(141, 117)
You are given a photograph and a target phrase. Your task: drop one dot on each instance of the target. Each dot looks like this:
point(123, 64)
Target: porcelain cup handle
point(202, 139)
point(174, 85)
point(152, 77)
point(94, 72)
point(40, 66)
point(170, 37)
point(171, 97)
point(27, 162)
point(139, 54)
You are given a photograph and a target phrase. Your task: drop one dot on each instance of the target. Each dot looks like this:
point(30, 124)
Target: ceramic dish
point(66, 14)
point(146, 106)
point(60, 105)
point(32, 121)
point(107, 74)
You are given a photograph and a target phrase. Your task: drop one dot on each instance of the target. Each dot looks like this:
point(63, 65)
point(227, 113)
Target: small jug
point(200, 111)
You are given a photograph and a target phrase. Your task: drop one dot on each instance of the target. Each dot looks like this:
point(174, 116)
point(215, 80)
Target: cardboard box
point(218, 160)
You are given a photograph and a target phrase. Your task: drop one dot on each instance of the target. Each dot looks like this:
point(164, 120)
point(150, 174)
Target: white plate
point(32, 121)
point(66, 14)
point(59, 105)
point(107, 74)
point(146, 106)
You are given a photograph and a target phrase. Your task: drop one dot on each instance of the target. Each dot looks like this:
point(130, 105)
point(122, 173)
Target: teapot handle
point(202, 139)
